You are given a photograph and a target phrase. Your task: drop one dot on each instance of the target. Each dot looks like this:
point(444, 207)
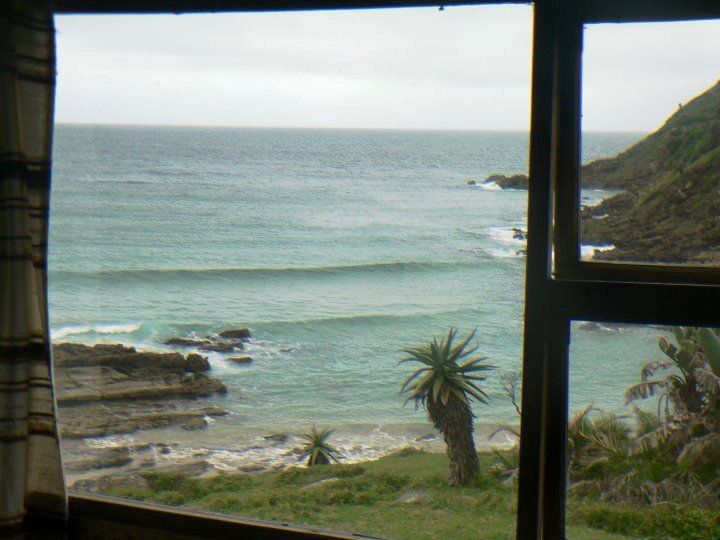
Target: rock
point(241, 359)
point(518, 181)
point(428, 437)
point(194, 423)
point(240, 333)
point(222, 346)
point(104, 458)
point(124, 418)
point(112, 389)
point(471, 183)
point(590, 326)
point(195, 363)
point(518, 234)
point(277, 438)
point(183, 342)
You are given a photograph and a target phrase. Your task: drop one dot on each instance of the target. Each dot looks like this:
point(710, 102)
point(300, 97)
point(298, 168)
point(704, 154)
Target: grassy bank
point(401, 496)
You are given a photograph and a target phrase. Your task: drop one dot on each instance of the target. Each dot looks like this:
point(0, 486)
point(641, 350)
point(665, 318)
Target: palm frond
point(442, 376)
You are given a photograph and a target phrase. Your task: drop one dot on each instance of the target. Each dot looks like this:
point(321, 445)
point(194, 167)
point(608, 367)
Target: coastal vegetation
point(668, 209)
point(317, 449)
point(443, 386)
point(404, 496)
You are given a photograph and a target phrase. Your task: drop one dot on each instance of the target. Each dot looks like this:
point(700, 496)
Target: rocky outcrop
point(240, 333)
point(670, 211)
point(227, 341)
point(518, 181)
point(114, 389)
point(242, 360)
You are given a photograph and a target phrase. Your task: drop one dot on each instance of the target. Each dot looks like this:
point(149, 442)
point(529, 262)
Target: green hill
point(670, 209)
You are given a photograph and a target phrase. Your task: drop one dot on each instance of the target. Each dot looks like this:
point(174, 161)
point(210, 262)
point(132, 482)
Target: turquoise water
point(336, 247)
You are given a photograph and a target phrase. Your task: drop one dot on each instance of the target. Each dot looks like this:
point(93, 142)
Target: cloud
point(462, 68)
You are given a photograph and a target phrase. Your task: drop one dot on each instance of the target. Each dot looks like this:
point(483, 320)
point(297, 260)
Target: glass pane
point(216, 292)
point(643, 430)
point(650, 196)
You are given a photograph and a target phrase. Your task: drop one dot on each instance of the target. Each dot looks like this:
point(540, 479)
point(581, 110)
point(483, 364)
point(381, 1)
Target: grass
point(400, 496)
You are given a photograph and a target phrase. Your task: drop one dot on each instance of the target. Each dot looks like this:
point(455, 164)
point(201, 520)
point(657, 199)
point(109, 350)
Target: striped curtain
point(31, 477)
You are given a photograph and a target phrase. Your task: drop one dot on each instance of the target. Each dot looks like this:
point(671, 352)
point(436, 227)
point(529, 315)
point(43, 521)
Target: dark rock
point(184, 342)
point(518, 181)
point(471, 183)
point(277, 438)
point(240, 333)
point(194, 423)
point(104, 458)
point(222, 346)
point(241, 359)
point(519, 234)
point(112, 389)
point(195, 363)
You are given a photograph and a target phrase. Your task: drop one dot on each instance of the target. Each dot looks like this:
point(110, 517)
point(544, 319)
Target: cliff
point(670, 208)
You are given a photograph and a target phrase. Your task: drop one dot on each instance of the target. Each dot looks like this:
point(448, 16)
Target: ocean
point(337, 248)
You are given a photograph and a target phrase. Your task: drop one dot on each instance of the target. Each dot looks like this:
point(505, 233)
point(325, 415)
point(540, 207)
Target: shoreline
point(125, 411)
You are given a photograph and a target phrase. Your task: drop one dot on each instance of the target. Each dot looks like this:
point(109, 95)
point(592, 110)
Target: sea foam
point(66, 331)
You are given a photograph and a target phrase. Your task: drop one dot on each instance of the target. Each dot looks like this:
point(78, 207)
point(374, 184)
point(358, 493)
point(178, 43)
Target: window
point(572, 290)
point(575, 291)
point(217, 292)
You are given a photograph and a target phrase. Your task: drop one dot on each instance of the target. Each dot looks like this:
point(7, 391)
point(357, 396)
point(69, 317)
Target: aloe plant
point(316, 449)
point(444, 386)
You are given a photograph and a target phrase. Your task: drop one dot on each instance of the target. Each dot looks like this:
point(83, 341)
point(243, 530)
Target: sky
point(459, 68)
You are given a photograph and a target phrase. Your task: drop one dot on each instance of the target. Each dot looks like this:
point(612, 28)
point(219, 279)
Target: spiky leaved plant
point(444, 386)
point(316, 449)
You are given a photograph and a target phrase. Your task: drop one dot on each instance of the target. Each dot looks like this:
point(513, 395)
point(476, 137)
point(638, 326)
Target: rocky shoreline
point(113, 389)
point(108, 394)
point(668, 205)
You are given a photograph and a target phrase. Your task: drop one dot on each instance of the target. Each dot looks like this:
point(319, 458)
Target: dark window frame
point(578, 291)
point(624, 293)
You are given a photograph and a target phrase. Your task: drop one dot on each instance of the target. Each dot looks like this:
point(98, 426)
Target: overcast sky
point(461, 68)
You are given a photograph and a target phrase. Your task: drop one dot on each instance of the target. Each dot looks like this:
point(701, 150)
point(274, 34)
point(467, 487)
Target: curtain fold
point(31, 477)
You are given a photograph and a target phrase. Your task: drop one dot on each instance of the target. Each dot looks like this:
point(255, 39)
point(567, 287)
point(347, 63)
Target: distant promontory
point(669, 207)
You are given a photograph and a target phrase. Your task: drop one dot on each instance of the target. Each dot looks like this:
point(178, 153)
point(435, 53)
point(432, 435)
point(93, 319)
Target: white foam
point(118, 441)
point(99, 329)
point(587, 252)
point(490, 186)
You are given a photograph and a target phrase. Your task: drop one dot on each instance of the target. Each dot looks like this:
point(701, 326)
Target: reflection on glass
point(644, 431)
point(656, 199)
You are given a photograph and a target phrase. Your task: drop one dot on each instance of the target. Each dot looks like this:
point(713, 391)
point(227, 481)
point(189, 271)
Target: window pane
point(643, 430)
point(652, 88)
point(334, 243)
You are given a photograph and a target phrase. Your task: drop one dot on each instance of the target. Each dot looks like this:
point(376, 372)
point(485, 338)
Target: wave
point(376, 318)
point(165, 273)
point(65, 331)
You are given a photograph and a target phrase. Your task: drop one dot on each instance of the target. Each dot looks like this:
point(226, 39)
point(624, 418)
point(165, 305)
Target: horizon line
point(325, 128)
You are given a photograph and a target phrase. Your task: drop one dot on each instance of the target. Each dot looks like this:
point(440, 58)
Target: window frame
point(654, 294)
point(623, 293)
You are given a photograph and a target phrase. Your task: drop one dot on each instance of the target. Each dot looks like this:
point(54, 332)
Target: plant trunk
point(455, 422)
